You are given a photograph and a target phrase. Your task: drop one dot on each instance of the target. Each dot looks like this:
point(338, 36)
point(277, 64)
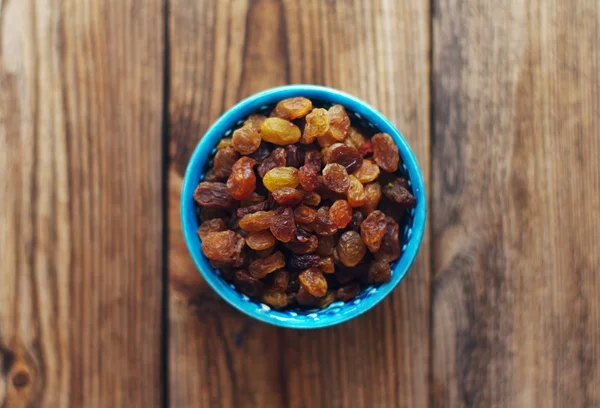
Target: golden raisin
point(339, 122)
point(223, 143)
point(258, 221)
point(317, 125)
point(292, 108)
point(313, 281)
point(367, 172)
point(280, 177)
point(356, 193)
point(373, 193)
point(279, 131)
point(275, 298)
point(255, 121)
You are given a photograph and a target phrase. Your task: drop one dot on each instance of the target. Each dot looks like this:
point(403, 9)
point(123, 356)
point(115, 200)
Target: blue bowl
point(412, 229)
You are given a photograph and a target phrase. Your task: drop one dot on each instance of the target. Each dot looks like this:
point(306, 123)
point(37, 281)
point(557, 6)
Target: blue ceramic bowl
point(411, 230)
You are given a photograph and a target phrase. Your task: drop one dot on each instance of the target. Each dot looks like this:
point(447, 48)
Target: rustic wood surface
point(101, 104)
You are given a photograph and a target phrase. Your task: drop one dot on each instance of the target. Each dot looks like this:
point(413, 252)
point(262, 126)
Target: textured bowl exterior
point(337, 312)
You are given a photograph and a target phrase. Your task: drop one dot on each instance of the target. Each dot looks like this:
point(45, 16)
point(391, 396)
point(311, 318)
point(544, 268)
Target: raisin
point(355, 138)
point(262, 206)
point(304, 298)
point(357, 219)
point(372, 230)
point(255, 198)
point(243, 259)
point(211, 176)
point(366, 149)
point(373, 193)
point(292, 108)
point(340, 213)
point(312, 199)
point(368, 172)
point(260, 240)
point(326, 300)
point(280, 177)
point(283, 226)
point(258, 221)
point(347, 156)
point(335, 177)
point(339, 122)
point(261, 153)
point(303, 242)
point(276, 159)
point(242, 181)
point(323, 224)
point(225, 142)
point(304, 214)
point(308, 175)
point(300, 262)
point(317, 125)
point(390, 244)
point(287, 196)
point(279, 131)
point(326, 245)
point(327, 264)
point(294, 156)
point(247, 284)
point(313, 281)
point(400, 195)
point(255, 121)
point(280, 280)
point(351, 248)
point(326, 141)
point(379, 272)
point(264, 266)
point(347, 292)
point(385, 152)
point(274, 298)
point(225, 246)
point(246, 139)
point(214, 195)
point(214, 225)
point(263, 253)
point(356, 193)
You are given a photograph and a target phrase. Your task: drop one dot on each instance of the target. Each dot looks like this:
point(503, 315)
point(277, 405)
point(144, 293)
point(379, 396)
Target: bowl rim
point(242, 109)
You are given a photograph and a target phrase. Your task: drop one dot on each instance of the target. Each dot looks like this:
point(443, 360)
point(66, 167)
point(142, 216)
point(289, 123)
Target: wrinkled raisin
point(372, 230)
point(323, 224)
point(211, 176)
point(303, 243)
point(246, 139)
point(347, 156)
point(247, 284)
point(373, 193)
point(295, 156)
point(317, 125)
point(292, 108)
point(326, 300)
point(339, 122)
point(214, 195)
point(326, 245)
point(280, 177)
point(309, 173)
point(304, 298)
point(300, 262)
point(379, 272)
point(312, 199)
point(262, 206)
point(368, 172)
point(326, 141)
point(276, 159)
point(225, 142)
point(313, 281)
point(283, 226)
point(327, 264)
point(390, 244)
point(274, 298)
point(258, 221)
point(356, 193)
point(400, 195)
point(261, 153)
point(280, 280)
point(357, 219)
point(242, 181)
point(255, 121)
point(351, 248)
point(279, 131)
point(215, 225)
point(304, 214)
point(335, 177)
point(340, 213)
point(348, 292)
point(255, 198)
point(287, 196)
point(264, 266)
point(260, 240)
point(225, 246)
point(385, 152)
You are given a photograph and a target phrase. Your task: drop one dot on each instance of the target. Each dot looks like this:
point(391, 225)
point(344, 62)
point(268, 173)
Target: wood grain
point(516, 312)
point(80, 203)
point(220, 52)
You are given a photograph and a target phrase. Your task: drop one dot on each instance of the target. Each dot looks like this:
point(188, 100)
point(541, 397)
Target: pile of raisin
point(301, 208)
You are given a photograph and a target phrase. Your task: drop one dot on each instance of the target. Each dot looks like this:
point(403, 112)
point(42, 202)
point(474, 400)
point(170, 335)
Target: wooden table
point(101, 104)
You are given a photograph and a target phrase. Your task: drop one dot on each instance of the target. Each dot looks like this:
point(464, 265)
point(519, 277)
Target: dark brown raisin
point(351, 249)
point(335, 177)
point(214, 195)
point(348, 292)
point(262, 206)
point(379, 271)
point(385, 152)
point(299, 263)
point(390, 244)
point(400, 195)
point(224, 161)
point(277, 158)
point(247, 284)
point(284, 226)
point(347, 156)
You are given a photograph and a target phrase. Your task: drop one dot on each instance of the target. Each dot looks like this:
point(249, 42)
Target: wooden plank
point(220, 52)
point(80, 203)
point(516, 221)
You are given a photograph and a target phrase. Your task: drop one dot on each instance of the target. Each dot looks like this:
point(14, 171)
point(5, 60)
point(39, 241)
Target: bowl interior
point(411, 226)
